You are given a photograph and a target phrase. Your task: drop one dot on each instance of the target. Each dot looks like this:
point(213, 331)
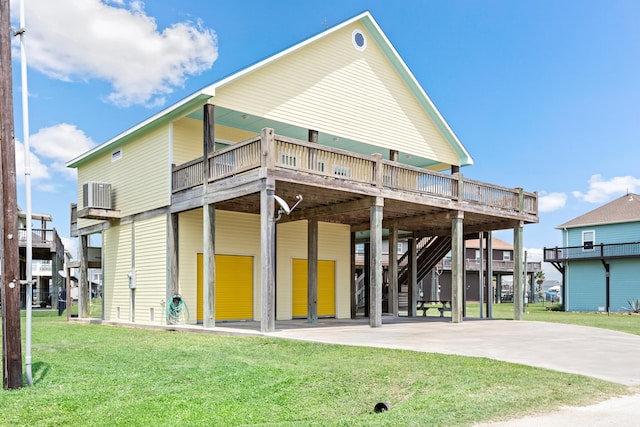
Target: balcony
point(329, 169)
point(592, 252)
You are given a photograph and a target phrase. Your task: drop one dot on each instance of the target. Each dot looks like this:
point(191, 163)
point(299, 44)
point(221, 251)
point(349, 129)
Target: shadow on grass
point(39, 371)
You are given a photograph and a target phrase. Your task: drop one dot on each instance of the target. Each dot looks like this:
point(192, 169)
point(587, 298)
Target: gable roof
point(194, 101)
point(495, 244)
point(623, 209)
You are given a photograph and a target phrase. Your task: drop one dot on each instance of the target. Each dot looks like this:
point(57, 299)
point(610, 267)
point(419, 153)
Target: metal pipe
point(27, 184)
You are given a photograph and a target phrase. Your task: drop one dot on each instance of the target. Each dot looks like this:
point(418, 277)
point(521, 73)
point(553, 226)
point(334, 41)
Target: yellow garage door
point(234, 287)
point(326, 288)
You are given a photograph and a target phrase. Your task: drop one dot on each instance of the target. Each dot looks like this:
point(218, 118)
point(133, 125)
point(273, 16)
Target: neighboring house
point(338, 120)
point(600, 257)
point(438, 283)
point(48, 256)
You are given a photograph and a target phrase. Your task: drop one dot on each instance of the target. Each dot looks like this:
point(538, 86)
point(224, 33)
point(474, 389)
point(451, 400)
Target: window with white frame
point(588, 240)
point(506, 256)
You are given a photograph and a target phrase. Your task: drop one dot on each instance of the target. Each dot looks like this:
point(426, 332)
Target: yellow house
point(197, 199)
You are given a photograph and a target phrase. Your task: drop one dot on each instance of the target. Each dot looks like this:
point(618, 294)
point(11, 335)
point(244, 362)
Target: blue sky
point(543, 94)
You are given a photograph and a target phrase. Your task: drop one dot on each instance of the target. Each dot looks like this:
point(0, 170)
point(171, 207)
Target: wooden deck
point(337, 184)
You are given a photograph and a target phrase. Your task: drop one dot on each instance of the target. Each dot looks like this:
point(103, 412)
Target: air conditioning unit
point(96, 195)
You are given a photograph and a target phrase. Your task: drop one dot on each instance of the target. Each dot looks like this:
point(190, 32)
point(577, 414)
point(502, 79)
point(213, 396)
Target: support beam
point(83, 280)
point(481, 273)
point(375, 237)
point(412, 289)
point(490, 291)
point(393, 271)
point(209, 267)
point(209, 141)
point(173, 278)
point(267, 256)
point(518, 285)
point(457, 266)
point(354, 290)
point(312, 271)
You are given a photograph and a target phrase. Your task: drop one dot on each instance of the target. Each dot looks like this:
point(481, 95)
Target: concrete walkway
point(599, 353)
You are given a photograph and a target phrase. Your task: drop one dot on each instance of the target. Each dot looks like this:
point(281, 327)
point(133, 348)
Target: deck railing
point(290, 154)
point(589, 252)
point(496, 265)
point(38, 235)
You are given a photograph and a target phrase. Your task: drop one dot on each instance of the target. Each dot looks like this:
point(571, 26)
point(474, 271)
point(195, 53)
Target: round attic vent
point(359, 40)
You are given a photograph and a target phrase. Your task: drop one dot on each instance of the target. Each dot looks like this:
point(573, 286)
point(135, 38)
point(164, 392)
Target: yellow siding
point(117, 263)
point(188, 139)
point(150, 265)
point(140, 180)
point(333, 244)
point(189, 245)
point(236, 234)
point(332, 87)
point(239, 234)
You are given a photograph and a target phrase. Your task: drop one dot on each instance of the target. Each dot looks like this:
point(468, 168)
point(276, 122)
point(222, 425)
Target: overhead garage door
point(326, 288)
point(234, 287)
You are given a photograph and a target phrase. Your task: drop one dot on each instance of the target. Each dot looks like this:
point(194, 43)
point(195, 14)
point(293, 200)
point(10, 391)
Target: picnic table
point(441, 306)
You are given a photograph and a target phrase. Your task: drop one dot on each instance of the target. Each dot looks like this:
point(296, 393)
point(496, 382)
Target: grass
point(94, 375)
point(622, 322)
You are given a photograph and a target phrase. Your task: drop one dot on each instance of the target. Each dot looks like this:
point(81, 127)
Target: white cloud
point(117, 42)
point(39, 171)
point(601, 190)
point(61, 143)
point(551, 202)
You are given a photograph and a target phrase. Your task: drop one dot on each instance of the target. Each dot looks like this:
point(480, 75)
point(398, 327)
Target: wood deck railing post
point(267, 144)
point(459, 195)
point(520, 199)
point(378, 169)
point(209, 141)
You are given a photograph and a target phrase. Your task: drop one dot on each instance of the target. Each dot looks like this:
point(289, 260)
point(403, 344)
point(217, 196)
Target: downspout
point(607, 286)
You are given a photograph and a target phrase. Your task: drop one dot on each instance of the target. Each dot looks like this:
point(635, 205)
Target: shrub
point(633, 306)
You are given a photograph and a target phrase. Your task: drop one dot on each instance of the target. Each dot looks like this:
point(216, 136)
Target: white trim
point(589, 245)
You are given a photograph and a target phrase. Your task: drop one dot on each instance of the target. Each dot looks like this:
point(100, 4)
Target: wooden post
point(354, 290)
point(173, 252)
point(83, 281)
point(375, 238)
point(393, 155)
point(209, 267)
point(267, 142)
point(312, 270)
point(209, 140)
point(518, 296)
point(313, 136)
point(393, 270)
point(412, 291)
point(367, 278)
point(267, 255)
point(10, 291)
point(490, 291)
point(378, 177)
point(457, 266)
point(481, 273)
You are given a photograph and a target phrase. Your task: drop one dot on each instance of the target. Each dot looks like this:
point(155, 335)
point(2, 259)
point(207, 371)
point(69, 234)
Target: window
point(477, 254)
point(359, 40)
point(588, 239)
point(506, 256)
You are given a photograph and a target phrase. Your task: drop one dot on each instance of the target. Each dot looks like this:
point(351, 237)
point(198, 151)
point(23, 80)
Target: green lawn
point(94, 375)
point(622, 322)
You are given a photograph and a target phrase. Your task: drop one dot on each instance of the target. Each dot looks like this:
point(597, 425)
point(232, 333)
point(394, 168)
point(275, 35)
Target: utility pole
point(10, 286)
